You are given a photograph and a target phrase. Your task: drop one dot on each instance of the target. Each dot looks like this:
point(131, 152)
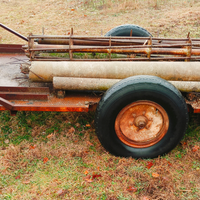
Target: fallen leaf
point(155, 175)
point(26, 182)
point(18, 177)
point(71, 130)
point(77, 125)
point(86, 152)
point(96, 176)
point(165, 179)
point(184, 143)
point(88, 179)
point(169, 164)
point(145, 198)
point(89, 143)
point(61, 192)
point(45, 160)
point(195, 148)
point(86, 172)
point(149, 165)
point(22, 21)
point(32, 147)
point(50, 135)
point(131, 189)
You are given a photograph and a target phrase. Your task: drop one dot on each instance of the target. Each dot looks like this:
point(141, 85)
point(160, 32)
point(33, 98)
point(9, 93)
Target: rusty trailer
point(151, 84)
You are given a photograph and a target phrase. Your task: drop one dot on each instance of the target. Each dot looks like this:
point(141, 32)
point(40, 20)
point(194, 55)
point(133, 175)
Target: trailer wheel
point(142, 117)
point(125, 30)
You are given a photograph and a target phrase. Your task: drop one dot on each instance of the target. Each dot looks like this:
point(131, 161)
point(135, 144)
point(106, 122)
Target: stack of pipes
point(87, 74)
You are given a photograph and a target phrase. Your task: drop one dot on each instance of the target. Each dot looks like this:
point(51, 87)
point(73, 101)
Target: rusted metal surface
point(185, 76)
point(71, 103)
point(141, 124)
point(173, 71)
point(25, 89)
point(23, 96)
point(7, 105)
point(24, 93)
point(193, 101)
point(119, 50)
point(92, 42)
point(11, 48)
point(151, 48)
point(14, 32)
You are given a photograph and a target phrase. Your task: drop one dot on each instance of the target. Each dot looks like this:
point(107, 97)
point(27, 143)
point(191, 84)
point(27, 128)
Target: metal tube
point(82, 42)
point(118, 50)
point(95, 42)
point(14, 32)
point(104, 37)
point(69, 83)
point(174, 71)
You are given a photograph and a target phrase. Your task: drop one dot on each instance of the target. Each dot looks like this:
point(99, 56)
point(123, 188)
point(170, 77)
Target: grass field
point(57, 155)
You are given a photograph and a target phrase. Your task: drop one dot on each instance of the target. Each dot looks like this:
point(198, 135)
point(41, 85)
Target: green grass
point(30, 137)
point(25, 175)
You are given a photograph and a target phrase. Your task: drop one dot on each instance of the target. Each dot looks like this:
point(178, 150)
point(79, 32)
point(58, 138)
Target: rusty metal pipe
point(104, 38)
point(104, 42)
point(83, 42)
point(161, 51)
point(14, 32)
point(90, 47)
point(174, 71)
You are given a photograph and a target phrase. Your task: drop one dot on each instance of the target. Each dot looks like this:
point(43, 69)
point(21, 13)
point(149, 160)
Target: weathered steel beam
point(71, 103)
point(11, 48)
point(23, 96)
point(6, 104)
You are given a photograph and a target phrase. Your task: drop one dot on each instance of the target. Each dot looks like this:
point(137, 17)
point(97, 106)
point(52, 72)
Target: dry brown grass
point(60, 164)
point(171, 18)
point(72, 156)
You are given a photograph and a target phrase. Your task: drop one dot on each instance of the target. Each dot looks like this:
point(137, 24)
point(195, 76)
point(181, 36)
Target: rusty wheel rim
point(141, 124)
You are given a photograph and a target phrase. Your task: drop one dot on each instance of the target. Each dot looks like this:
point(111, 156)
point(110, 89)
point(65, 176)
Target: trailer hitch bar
point(14, 32)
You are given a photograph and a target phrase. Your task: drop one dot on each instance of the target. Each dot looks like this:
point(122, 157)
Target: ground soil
point(57, 155)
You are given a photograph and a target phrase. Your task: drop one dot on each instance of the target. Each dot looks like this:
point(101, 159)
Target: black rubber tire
point(124, 30)
point(133, 89)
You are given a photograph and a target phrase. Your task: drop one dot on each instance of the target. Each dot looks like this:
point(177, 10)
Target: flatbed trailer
point(140, 115)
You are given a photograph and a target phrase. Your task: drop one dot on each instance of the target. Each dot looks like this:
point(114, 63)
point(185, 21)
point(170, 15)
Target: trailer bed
point(17, 93)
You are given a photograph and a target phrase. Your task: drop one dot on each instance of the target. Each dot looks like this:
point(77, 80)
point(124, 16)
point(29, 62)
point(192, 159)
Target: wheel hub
point(141, 124)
